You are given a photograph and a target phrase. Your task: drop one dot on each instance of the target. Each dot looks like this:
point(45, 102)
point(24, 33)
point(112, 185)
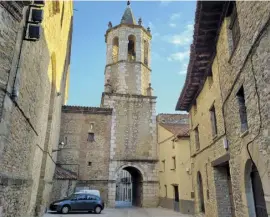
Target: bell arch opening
point(131, 48)
point(254, 191)
point(129, 187)
point(115, 49)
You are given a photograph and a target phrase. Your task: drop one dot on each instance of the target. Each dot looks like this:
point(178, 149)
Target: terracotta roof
point(61, 173)
point(173, 118)
point(208, 19)
point(177, 129)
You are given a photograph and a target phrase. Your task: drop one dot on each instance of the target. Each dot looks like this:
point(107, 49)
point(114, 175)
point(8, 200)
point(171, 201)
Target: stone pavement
point(125, 212)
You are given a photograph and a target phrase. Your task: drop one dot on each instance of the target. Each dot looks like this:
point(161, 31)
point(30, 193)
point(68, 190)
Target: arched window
point(131, 48)
point(115, 49)
point(146, 48)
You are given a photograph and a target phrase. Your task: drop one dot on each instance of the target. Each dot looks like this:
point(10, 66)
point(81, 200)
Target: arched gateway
point(129, 187)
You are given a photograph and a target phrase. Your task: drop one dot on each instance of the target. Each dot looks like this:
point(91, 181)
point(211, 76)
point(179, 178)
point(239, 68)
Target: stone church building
point(99, 143)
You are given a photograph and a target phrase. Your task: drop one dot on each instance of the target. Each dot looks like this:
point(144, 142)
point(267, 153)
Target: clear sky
point(171, 24)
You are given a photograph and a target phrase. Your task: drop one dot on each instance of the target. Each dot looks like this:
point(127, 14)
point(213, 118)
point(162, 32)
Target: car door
point(79, 203)
point(91, 202)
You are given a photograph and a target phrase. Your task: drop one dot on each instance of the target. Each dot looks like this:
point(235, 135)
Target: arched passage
point(129, 187)
point(200, 193)
point(254, 191)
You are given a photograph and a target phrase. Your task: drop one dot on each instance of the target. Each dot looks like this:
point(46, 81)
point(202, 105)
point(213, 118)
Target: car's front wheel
point(97, 209)
point(65, 209)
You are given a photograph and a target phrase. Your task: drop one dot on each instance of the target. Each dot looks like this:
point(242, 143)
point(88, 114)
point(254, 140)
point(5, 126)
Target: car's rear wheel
point(65, 209)
point(97, 209)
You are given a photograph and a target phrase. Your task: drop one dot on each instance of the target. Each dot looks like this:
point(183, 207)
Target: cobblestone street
point(127, 212)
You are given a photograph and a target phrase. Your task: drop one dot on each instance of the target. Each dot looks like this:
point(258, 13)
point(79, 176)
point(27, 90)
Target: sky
point(171, 26)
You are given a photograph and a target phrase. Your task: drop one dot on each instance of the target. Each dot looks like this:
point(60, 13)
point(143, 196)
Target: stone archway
point(129, 187)
point(254, 191)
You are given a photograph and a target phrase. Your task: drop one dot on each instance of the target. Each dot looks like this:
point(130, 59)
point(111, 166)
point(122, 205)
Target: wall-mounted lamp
point(60, 145)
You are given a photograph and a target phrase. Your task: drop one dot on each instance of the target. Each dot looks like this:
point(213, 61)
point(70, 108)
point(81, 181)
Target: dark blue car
point(78, 202)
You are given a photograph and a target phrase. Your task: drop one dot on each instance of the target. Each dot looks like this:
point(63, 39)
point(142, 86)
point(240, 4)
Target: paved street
point(126, 212)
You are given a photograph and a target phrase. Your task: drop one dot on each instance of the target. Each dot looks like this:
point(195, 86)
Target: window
point(174, 163)
point(242, 109)
point(131, 48)
point(197, 139)
point(165, 190)
point(89, 163)
point(163, 162)
point(173, 145)
point(213, 120)
point(146, 48)
point(234, 24)
point(115, 49)
point(91, 137)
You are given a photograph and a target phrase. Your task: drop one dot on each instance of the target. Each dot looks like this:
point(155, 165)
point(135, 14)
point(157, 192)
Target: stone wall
point(88, 159)
point(62, 189)
point(248, 66)
point(91, 158)
point(24, 121)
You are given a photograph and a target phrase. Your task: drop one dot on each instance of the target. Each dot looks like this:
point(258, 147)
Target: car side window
point(81, 197)
point(91, 197)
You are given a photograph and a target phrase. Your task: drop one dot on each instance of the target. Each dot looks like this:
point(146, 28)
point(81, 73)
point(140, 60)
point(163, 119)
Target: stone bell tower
point(128, 92)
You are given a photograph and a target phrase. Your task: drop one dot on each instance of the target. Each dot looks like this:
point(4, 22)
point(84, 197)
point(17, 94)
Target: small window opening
point(197, 139)
point(146, 48)
point(213, 120)
point(91, 137)
point(165, 190)
point(242, 109)
point(163, 164)
point(89, 163)
point(131, 48)
point(234, 23)
point(174, 163)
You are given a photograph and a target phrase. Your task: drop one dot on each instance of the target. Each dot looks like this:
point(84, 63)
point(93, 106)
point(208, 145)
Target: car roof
point(86, 193)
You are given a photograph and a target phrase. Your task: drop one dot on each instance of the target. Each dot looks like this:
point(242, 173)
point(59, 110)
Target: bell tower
point(128, 91)
point(128, 58)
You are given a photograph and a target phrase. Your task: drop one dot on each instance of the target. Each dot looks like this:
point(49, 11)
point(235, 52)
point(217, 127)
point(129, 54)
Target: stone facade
point(231, 167)
point(33, 86)
point(87, 157)
point(175, 178)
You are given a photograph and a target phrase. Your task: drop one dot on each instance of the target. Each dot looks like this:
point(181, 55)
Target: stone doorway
point(129, 188)
point(254, 191)
point(223, 186)
point(200, 193)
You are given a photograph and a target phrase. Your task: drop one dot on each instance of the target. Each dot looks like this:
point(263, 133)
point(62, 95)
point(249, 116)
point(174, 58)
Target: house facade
point(175, 178)
point(226, 92)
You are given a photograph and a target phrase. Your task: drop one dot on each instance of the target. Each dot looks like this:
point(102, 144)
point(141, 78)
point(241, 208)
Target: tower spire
point(128, 17)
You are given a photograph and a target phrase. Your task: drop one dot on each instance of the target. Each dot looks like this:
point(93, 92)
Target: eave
point(208, 19)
